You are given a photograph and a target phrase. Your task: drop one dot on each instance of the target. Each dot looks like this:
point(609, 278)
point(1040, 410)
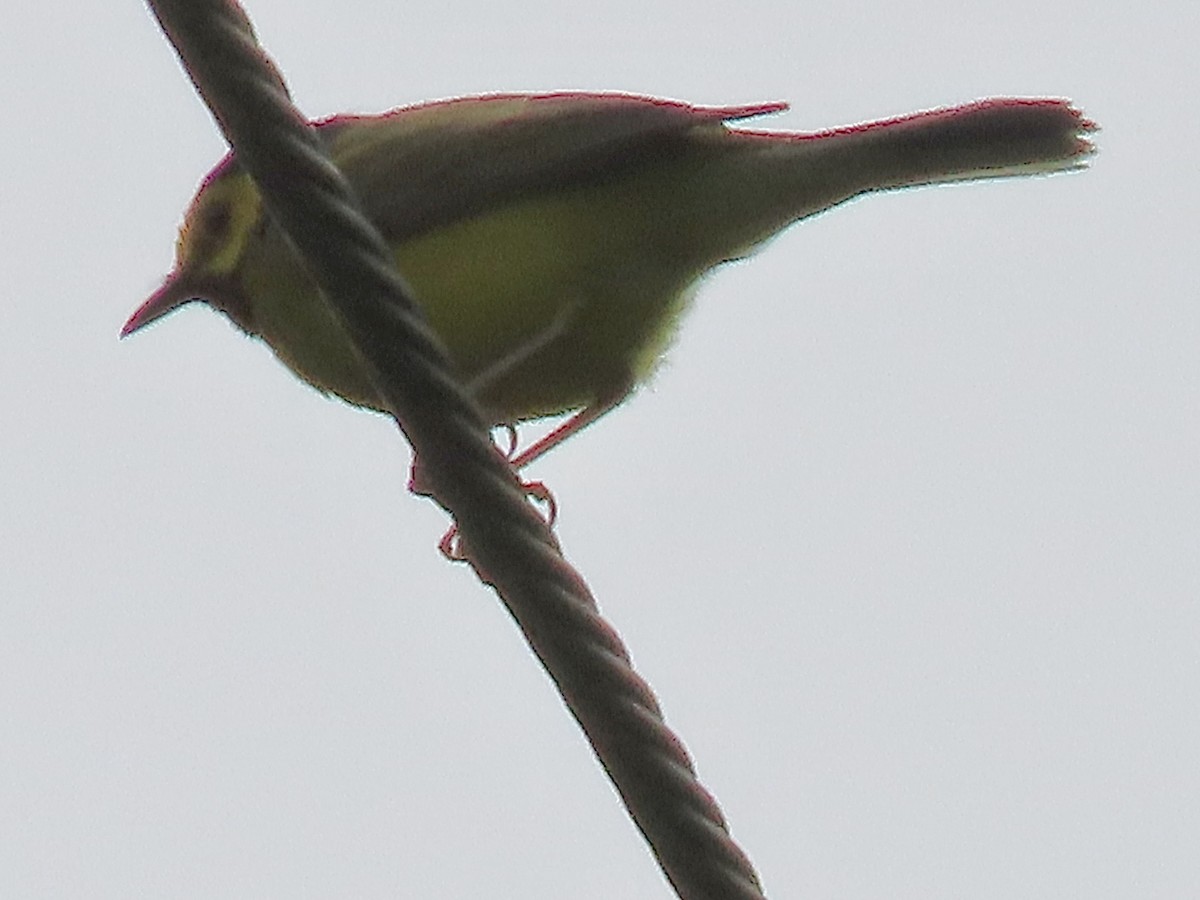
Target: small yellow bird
point(553, 240)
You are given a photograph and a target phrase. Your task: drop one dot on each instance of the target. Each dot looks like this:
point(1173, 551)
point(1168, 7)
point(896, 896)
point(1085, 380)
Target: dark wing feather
point(421, 168)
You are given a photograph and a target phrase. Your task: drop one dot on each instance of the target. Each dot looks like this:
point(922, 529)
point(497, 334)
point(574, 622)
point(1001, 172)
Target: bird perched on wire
point(553, 240)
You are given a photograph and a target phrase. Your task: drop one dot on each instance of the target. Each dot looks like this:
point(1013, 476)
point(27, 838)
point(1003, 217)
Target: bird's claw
point(451, 544)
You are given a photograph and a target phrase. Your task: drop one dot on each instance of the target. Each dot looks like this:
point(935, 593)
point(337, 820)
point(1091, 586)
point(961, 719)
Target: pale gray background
point(904, 534)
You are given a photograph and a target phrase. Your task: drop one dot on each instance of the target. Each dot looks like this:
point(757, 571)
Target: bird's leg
point(573, 425)
point(417, 482)
point(450, 544)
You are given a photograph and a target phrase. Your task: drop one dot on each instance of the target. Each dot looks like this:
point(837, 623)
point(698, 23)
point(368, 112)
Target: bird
point(553, 241)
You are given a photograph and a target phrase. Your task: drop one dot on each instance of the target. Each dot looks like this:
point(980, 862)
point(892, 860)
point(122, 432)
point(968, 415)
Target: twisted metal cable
point(507, 542)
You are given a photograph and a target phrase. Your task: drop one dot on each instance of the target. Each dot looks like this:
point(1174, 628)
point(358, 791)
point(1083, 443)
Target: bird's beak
point(172, 295)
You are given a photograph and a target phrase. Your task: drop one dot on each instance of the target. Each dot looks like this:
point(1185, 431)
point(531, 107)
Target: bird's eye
point(215, 222)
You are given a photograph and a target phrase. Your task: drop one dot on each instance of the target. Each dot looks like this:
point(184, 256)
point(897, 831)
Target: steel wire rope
point(508, 544)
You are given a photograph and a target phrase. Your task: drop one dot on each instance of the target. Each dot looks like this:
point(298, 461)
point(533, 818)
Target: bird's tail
point(788, 176)
point(988, 139)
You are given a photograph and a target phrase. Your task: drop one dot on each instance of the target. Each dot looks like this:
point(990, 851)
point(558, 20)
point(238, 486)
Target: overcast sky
point(904, 533)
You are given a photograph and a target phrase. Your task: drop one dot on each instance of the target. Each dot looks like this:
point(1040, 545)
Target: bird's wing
point(419, 168)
